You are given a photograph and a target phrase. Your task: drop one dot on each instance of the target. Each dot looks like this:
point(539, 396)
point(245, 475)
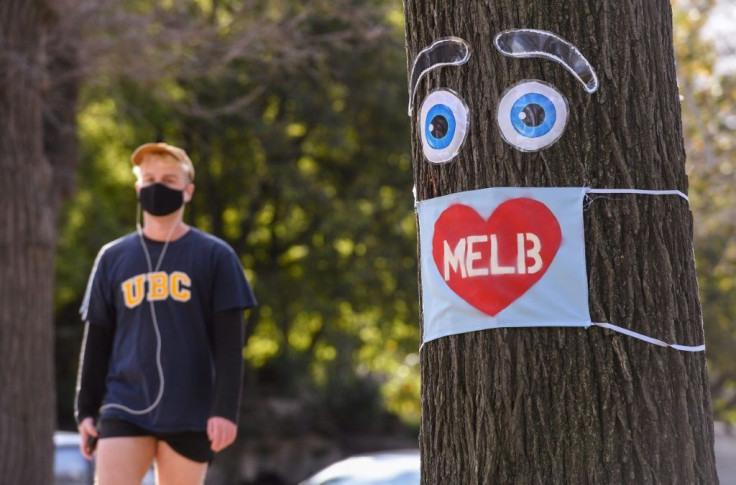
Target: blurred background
point(294, 114)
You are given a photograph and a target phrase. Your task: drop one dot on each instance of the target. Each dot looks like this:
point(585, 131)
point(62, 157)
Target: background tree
point(38, 89)
point(574, 405)
point(705, 68)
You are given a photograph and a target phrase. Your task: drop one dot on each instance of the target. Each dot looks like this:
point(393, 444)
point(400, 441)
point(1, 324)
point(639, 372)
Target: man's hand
point(87, 431)
point(221, 432)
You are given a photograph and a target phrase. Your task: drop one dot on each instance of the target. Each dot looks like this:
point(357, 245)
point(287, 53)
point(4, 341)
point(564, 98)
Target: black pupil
point(533, 115)
point(438, 127)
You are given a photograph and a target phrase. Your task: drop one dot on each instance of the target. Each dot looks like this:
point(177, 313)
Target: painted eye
point(532, 115)
point(443, 123)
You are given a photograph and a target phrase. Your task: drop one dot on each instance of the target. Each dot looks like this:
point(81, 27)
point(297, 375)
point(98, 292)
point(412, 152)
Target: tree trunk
point(573, 405)
point(37, 154)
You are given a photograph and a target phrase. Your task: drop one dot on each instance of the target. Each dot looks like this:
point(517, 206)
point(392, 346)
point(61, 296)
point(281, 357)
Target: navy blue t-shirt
point(199, 275)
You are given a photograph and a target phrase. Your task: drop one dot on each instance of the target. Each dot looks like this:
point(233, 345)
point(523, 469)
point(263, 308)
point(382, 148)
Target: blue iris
point(533, 115)
point(439, 127)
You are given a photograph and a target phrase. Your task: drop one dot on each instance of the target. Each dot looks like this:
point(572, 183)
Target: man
point(161, 364)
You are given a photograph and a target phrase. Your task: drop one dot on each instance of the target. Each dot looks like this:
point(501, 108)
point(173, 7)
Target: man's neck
point(161, 228)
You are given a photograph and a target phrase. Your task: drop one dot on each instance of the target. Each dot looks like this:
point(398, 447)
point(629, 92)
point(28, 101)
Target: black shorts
point(194, 445)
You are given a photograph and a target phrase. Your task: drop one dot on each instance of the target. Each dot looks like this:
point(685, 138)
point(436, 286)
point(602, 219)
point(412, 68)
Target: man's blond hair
point(164, 150)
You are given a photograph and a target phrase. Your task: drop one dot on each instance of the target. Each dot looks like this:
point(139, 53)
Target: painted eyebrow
point(522, 43)
point(447, 51)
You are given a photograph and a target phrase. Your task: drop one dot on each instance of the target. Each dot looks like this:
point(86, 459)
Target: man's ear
point(188, 192)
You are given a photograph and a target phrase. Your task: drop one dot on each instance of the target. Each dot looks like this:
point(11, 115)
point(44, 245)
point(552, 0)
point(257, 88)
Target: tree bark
point(573, 405)
point(37, 155)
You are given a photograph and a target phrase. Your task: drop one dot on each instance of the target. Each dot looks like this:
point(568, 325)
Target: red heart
point(479, 260)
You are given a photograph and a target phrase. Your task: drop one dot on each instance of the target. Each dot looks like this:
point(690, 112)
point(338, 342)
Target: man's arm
point(228, 335)
point(93, 364)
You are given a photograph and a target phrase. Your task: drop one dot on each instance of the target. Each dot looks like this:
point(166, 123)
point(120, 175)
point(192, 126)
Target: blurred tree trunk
point(37, 156)
point(570, 405)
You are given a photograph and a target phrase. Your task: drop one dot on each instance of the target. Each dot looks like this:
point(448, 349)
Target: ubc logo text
point(160, 287)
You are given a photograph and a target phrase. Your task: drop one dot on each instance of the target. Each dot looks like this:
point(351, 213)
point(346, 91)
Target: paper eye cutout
point(443, 124)
point(532, 115)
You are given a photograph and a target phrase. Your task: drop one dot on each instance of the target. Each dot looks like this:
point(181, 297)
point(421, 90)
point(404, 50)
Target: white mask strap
point(651, 340)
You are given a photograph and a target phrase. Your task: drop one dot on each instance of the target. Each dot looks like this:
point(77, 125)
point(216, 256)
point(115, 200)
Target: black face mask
point(159, 200)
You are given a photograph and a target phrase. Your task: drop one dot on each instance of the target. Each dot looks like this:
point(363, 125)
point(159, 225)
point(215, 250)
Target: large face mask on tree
point(507, 256)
